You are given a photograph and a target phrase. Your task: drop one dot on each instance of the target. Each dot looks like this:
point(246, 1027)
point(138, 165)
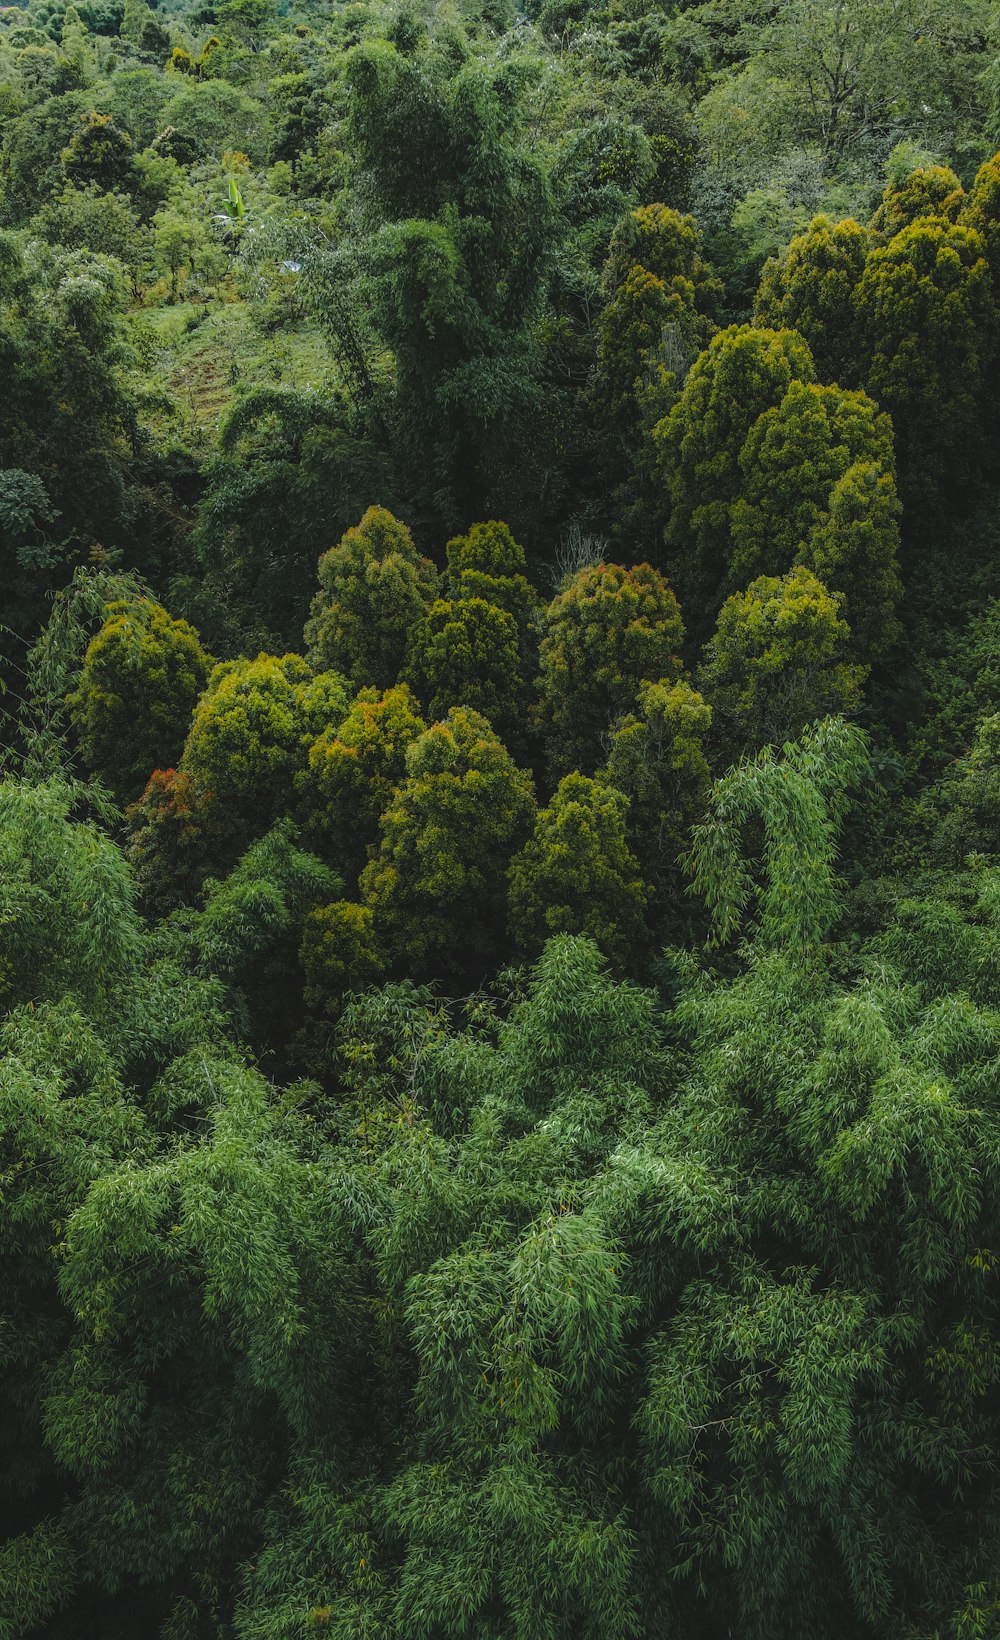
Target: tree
point(177, 240)
point(85, 219)
point(661, 296)
point(290, 467)
point(179, 834)
point(667, 244)
point(69, 409)
point(488, 563)
point(981, 213)
point(742, 373)
point(436, 882)
point(853, 551)
point(809, 287)
point(67, 904)
point(354, 770)
point(609, 630)
point(250, 927)
point(779, 660)
point(142, 675)
point(818, 443)
point(461, 216)
point(374, 588)
point(465, 652)
point(969, 823)
point(99, 154)
point(931, 190)
point(928, 324)
point(251, 730)
point(577, 875)
point(657, 760)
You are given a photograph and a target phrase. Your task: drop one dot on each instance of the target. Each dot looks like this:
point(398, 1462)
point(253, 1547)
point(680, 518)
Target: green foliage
point(290, 467)
point(609, 630)
point(436, 881)
point(68, 920)
point(779, 659)
point(981, 212)
point(99, 154)
point(553, 1308)
point(66, 409)
point(932, 190)
point(459, 254)
point(662, 297)
point(576, 874)
point(374, 587)
point(339, 953)
point(178, 834)
point(819, 489)
point(141, 677)
point(488, 563)
point(928, 324)
point(969, 824)
point(800, 798)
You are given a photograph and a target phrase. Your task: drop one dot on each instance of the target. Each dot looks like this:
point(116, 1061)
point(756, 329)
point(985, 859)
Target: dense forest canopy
point(500, 820)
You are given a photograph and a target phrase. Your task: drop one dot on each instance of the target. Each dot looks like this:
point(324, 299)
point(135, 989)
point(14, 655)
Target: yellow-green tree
point(436, 882)
point(779, 660)
point(819, 484)
point(354, 768)
point(609, 630)
point(577, 875)
point(931, 190)
point(742, 373)
point(928, 326)
point(251, 730)
point(374, 586)
point(981, 212)
point(809, 287)
point(488, 563)
point(661, 296)
point(141, 677)
point(465, 652)
point(339, 953)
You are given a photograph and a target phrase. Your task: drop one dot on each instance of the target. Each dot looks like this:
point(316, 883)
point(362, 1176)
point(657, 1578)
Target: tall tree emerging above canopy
point(741, 374)
point(809, 287)
point(374, 587)
point(461, 217)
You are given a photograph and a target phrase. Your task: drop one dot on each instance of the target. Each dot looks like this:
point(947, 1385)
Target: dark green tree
point(462, 230)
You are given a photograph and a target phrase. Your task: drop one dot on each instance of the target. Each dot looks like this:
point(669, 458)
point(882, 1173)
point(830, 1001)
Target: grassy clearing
point(202, 355)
